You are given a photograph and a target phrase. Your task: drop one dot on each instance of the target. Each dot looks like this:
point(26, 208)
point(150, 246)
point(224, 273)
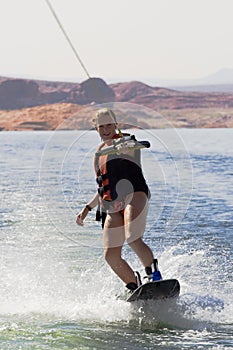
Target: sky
point(116, 40)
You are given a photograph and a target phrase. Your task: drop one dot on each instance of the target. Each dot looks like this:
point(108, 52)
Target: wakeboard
point(156, 290)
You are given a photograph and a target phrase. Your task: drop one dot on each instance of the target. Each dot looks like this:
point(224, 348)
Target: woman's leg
point(143, 252)
point(135, 224)
point(114, 237)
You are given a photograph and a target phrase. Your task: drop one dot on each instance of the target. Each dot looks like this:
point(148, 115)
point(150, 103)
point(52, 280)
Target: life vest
point(104, 177)
point(103, 180)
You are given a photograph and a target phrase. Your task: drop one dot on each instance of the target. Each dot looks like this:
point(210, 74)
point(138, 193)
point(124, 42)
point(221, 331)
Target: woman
point(123, 194)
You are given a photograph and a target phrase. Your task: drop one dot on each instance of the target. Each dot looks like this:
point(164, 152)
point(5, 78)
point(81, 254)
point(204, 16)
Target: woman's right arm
point(88, 207)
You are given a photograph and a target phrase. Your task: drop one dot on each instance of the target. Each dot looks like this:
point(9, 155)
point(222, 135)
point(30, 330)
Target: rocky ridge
point(44, 105)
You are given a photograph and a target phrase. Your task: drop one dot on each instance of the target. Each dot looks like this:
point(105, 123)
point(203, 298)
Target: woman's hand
point(126, 147)
point(88, 207)
point(81, 216)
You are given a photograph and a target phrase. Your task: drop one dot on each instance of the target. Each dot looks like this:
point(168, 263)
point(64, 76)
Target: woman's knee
point(112, 254)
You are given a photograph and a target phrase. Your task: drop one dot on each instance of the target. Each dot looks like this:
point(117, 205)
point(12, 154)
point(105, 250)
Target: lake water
point(57, 292)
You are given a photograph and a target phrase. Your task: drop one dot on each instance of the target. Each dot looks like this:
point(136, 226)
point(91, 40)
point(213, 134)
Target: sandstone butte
point(44, 105)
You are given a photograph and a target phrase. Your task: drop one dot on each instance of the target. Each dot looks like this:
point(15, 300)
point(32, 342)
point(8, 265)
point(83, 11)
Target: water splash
point(44, 285)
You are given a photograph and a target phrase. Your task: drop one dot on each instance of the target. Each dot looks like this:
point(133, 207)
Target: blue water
point(56, 291)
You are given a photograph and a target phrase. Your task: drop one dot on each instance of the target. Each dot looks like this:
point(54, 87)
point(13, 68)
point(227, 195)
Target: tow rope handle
point(124, 142)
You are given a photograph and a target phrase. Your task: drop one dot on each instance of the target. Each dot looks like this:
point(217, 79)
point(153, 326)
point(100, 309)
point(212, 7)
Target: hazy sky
point(116, 39)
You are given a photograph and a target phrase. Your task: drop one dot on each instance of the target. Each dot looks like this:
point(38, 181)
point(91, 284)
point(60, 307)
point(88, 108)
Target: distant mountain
point(220, 81)
point(222, 76)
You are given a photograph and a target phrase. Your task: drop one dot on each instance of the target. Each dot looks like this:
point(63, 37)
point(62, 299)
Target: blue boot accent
point(157, 276)
point(153, 275)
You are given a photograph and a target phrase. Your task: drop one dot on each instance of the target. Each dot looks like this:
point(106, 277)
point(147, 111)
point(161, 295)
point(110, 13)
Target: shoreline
point(67, 116)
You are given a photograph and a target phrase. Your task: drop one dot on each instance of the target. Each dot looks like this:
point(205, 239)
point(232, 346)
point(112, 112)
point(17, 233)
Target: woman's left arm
point(88, 207)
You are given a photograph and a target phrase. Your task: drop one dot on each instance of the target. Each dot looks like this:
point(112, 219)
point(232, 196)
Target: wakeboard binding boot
point(153, 275)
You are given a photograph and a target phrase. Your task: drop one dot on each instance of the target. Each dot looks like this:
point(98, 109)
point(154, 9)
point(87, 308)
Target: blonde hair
point(104, 112)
